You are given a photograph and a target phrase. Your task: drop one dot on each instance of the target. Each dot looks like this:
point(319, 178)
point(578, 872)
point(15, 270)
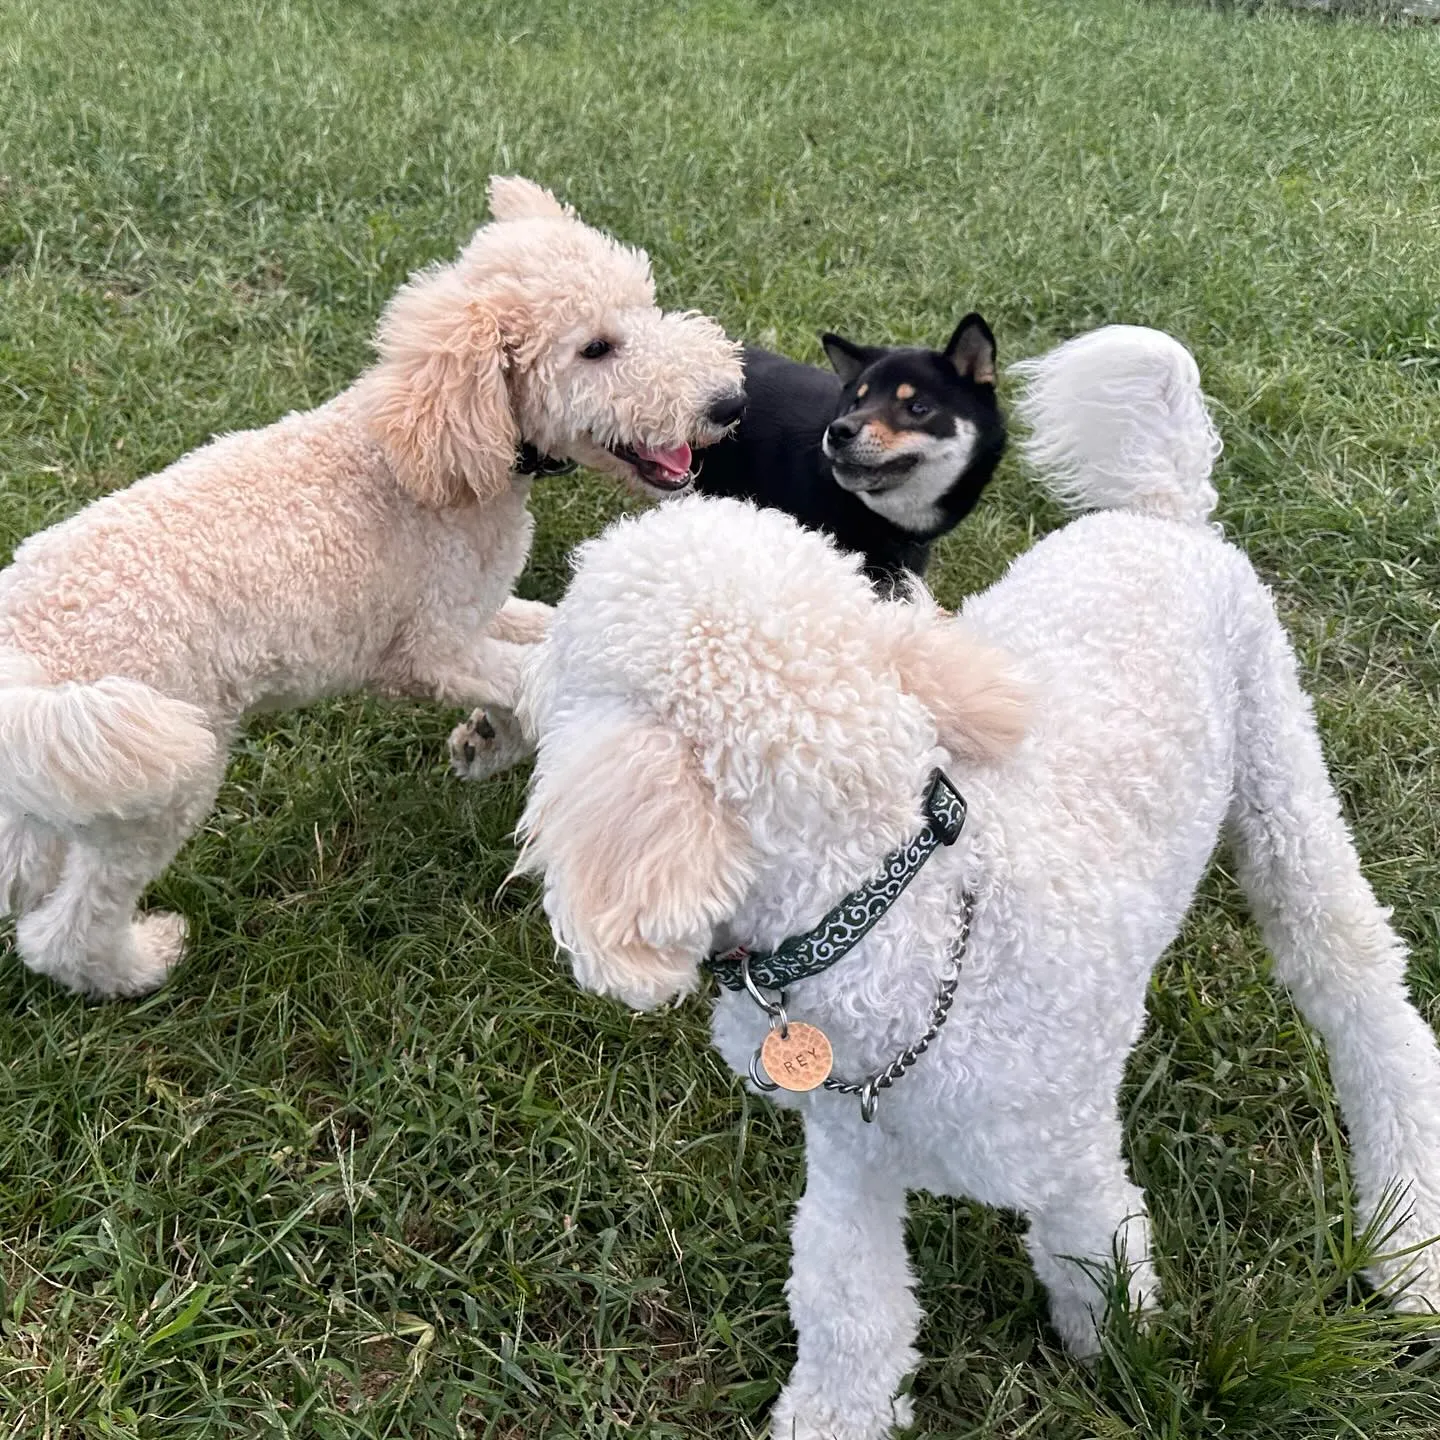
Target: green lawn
point(370, 1166)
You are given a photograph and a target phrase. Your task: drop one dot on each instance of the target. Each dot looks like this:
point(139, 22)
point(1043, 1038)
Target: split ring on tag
point(798, 1057)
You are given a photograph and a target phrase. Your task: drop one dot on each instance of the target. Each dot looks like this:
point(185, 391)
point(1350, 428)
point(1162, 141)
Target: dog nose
point(843, 430)
point(727, 408)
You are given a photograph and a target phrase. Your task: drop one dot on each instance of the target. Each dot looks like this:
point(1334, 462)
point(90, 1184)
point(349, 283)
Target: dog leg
point(484, 672)
point(1343, 964)
point(487, 674)
point(1387, 1077)
point(852, 1302)
point(521, 622)
point(1341, 961)
point(85, 934)
point(1345, 970)
point(1086, 1226)
point(30, 860)
point(491, 740)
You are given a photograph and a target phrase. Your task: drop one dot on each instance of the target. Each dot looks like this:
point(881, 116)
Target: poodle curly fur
point(733, 732)
point(369, 544)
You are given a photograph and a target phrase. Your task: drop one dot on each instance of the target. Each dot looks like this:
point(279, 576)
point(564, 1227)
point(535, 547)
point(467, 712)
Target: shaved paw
point(488, 742)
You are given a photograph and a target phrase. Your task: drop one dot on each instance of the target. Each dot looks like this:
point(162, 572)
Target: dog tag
point(799, 1059)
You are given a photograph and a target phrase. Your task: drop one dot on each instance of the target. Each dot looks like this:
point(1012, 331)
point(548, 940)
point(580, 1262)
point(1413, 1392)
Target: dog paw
point(488, 742)
point(154, 945)
point(112, 964)
point(158, 942)
point(797, 1417)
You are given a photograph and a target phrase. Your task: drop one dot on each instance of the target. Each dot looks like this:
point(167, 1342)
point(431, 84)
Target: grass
point(370, 1166)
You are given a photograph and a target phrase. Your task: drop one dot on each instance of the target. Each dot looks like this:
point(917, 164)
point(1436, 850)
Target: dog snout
point(726, 408)
point(843, 430)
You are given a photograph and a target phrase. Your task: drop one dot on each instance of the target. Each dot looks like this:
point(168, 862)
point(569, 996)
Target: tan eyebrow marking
point(904, 392)
point(860, 393)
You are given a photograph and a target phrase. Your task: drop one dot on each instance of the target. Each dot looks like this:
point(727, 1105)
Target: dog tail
point(73, 753)
point(1118, 422)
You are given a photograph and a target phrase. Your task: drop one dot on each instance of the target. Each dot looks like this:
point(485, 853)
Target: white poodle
point(734, 733)
point(368, 544)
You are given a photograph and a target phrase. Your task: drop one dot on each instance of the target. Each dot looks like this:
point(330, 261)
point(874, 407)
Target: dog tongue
point(675, 461)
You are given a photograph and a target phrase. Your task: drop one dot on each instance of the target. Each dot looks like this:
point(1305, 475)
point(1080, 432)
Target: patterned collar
point(851, 920)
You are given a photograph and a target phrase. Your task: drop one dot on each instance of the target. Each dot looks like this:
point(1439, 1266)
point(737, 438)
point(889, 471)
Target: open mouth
point(885, 475)
point(667, 469)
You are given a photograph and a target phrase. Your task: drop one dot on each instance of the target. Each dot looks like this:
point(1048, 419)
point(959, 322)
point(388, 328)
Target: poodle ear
point(641, 861)
point(978, 704)
point(512, 197)
point(971, 350)
point(440, 406)
point(847, 358)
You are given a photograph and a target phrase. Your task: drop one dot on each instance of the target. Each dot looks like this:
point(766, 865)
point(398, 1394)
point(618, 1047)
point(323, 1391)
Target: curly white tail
point(1118, 422)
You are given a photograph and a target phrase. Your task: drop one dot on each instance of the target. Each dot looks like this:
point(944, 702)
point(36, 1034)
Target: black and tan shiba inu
point(886, 455)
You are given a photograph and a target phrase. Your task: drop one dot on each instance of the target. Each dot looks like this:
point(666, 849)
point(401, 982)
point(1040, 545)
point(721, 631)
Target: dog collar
point(530, 461)
point(801, 956)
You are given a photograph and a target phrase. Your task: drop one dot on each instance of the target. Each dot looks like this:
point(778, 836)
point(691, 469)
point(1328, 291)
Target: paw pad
point(488, 742)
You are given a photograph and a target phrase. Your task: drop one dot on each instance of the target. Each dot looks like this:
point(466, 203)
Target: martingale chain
point(797, 1057)
point(869, 1089)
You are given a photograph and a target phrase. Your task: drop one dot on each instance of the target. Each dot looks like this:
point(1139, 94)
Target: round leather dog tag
point(798, 1060)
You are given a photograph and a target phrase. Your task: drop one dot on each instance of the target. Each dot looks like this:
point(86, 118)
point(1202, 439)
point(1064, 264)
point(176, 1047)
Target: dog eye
point(919, 407)
point(596, 349)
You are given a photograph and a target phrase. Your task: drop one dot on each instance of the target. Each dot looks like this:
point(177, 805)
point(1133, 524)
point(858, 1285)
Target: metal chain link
point(869, 1089)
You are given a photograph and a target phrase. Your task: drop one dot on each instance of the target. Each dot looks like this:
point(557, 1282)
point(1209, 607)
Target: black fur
point(774, 457)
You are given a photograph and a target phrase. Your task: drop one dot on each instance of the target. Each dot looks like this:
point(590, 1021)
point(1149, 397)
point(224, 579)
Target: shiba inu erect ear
point(848, 358)
point(972, 350)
